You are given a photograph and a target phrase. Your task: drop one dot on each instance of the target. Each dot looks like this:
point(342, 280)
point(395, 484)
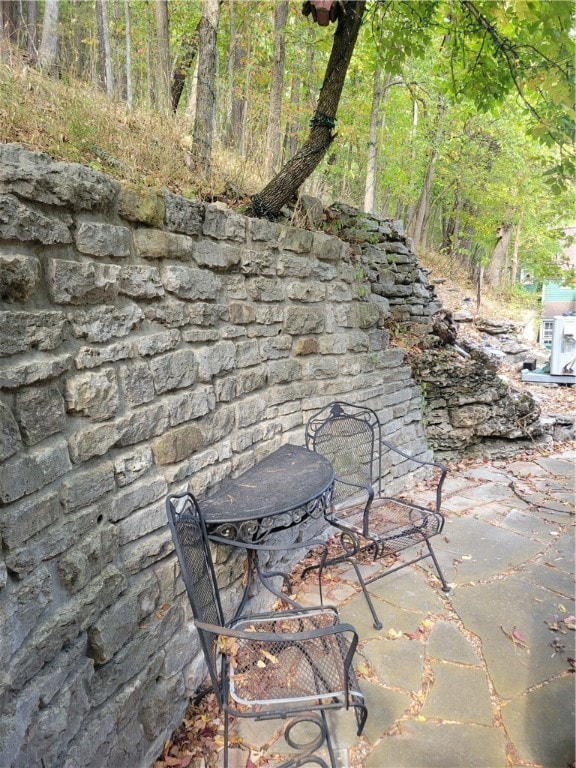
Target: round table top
point(289, 478)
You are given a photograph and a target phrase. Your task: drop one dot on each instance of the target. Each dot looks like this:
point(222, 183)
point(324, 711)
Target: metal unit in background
point(561, 368)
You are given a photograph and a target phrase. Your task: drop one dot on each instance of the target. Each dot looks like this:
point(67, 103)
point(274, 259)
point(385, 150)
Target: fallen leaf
point(570, 622)
point(561, 608)
point(518, 636)
point(393, 634)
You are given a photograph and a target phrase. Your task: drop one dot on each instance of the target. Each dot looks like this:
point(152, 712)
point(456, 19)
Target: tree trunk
point(49, 42)
point(205, 95)
point(104, 57)
point(515, 252)
point(186, 57)
point(291, 135)
point(284, 186)
point(422, 213)
point(32, 39)
point(129, 87)
point(273, 135)
point(163, 96)
point(370, 187)
point(499, 254)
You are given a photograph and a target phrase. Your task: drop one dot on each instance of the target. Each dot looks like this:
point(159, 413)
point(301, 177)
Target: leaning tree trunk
point(282, 188)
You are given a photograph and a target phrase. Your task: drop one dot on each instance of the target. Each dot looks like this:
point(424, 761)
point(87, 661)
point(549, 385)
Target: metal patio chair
point(370, 522)
point(293, 663)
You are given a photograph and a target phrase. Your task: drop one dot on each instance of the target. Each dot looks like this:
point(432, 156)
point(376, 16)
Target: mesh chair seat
point(394, 525)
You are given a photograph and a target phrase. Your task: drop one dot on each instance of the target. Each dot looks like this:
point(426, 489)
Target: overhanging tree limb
point(282, 188)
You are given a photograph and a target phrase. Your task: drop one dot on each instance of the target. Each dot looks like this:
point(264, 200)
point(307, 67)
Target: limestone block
point(170, 312)
point(19, 221)
point(136, 496)
point(224, 224)
point(156, 712)
point(35, 368)
point(323, 368)
point(143, 553)
point(178, 444)
point(105, 322)
point(151, 243)
point(35, 175)
point(10, 440)
point(23, 519)
point(268, 314)
point(28, 472)
point(219, 257)
point(72, 282)
point(305, 291)
point(27, 331)
point(234, 287)
point(93, 394)
point(188, 405)
point(259, 262)
point(247, 354)
point(142, 522)
point(190, 283)
point(261, 229)
point(40, 412)
point(82, 488)
point(63, 625)
point(332, 343)
point(156, 343)
point(338, 291)
point(242, 313)
point(328, 272)
point(93, 357)
point(21, 608)
point(119, 623)
point(329, 248)
point(297, 240)
point(185, 216)
point(306, 346)
point(141, 205)
point(95, 440)
point(250, 411)
point(201, 313)
point(100, 239)
point(131, 465)
point(19, 275)
point(174, 370)
point(303, 320)
point(84, 561)
point(265, 289)
point(234, 386)
point(289, 265)
point(137, 382)
point(284, 371)
point(276, 347)
point(143, 424)
point(216, 359)
point(140, 282)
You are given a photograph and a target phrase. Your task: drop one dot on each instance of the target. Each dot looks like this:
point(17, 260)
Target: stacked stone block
point(148, 344)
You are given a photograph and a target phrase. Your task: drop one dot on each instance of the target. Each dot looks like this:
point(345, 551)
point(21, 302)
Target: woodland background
point(463, 131)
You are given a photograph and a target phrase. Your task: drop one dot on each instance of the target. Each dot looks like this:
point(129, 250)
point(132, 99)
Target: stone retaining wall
point(149, 344)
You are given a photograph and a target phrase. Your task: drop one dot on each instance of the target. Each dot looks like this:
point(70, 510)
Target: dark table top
point(288, 479)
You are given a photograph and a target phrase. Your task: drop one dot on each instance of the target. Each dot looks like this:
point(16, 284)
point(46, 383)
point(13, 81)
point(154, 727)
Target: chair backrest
point(349, 436)
point(197, 567)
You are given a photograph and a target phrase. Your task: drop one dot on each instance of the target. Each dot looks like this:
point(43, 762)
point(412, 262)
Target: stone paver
point(478, 678)
point(439, 745)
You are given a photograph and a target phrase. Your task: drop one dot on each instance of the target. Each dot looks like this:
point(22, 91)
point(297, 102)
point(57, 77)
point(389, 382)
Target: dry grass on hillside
point(75, 122)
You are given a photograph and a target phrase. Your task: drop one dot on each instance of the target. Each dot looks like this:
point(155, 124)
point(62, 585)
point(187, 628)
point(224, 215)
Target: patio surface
point(481, 677)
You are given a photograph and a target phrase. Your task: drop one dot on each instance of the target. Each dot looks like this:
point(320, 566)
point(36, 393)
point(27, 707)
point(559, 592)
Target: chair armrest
point(292, 637)
point(435, 464)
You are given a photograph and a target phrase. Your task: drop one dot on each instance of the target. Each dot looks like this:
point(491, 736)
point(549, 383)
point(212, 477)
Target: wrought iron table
point(287, 487)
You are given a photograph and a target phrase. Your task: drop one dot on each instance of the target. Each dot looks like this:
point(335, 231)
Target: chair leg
point(226, 739)
point(445, 587)
point(377, 622)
